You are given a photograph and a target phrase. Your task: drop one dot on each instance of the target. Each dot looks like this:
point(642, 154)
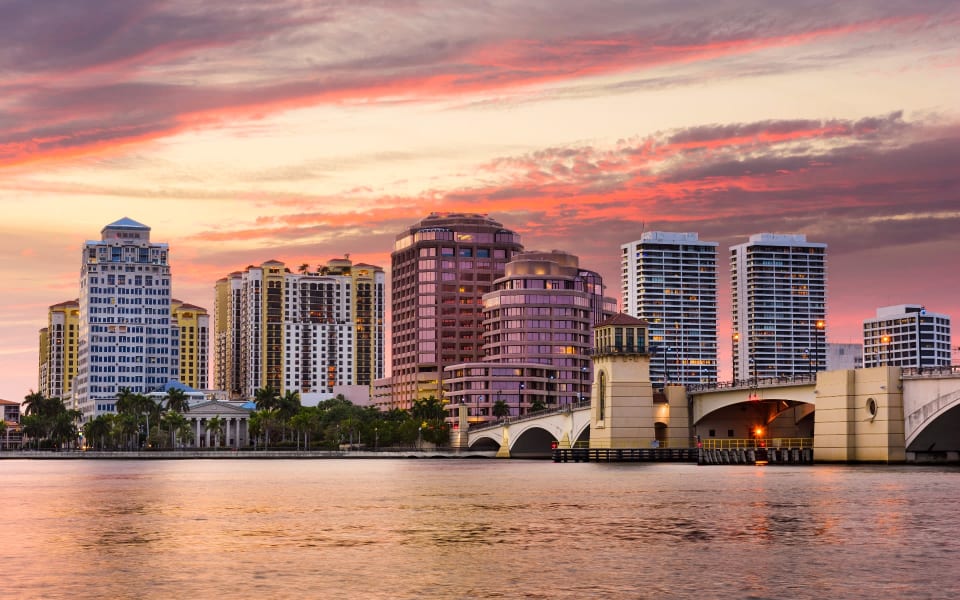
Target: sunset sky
point(242, 131)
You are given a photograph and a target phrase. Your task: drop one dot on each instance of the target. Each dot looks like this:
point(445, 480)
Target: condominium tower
point(58, 349)
point(537, 325)
point(669, 280)
point(126, 340)
point(441, 268)
point(193, 324)
point(906, 335)
point(306, 331)
point(779, 306)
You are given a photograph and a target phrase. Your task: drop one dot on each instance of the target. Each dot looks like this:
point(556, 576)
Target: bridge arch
point(533, 442)
point(486, 442)
point(935, 425)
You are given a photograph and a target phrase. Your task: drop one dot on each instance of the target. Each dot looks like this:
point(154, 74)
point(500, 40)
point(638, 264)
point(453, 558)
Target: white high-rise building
point(906, 335)
point(670, 281)
point(309, 332)
point(779, 306)
point(126, 340)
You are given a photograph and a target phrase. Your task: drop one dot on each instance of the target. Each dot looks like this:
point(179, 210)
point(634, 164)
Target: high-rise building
point(58, 350)
point(306, 332)
point(906, 335)
point(441, 268)
point(841, 357)
point(537, 336)
point(193, 323)
point(669, 280)
point(779, 306)
point(126, 340)
point(228, 294)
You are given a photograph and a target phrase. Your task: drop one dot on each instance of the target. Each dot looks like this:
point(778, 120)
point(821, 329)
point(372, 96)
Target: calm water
point(475, 529)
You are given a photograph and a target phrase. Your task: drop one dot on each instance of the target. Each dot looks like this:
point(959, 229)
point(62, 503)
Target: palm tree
point(33, 427)
point(500, 409)
point(177, 400)
point(173, 421)
point(215, 426)
point(97, 430)
point(3, 433)
point(64, 427)
point(304, 268)
point(266, 398)
point(537, 404)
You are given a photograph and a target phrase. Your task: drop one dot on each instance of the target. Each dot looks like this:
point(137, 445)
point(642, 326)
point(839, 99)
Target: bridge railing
point(743, 384)
point(930, 371)
point(531, 415)
point(743, 443)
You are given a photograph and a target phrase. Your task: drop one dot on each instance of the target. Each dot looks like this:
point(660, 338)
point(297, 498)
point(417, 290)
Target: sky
point(242, 131)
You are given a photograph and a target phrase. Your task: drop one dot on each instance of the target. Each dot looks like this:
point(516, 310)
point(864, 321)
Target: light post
point(753, 368)
point(810, 363)
point(420, 438)
point(376, 438)
point(885, 340)
point(735, 352)
point(666, 367)
point(520, 398)
point(479, 402)
point(583, 373)
point(821, 328)
point(554, 386)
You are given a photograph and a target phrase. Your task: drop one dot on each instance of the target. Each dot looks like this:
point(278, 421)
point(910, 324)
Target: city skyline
point(578, 129)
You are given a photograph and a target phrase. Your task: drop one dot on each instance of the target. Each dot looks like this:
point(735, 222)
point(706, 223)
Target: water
point(475, 529)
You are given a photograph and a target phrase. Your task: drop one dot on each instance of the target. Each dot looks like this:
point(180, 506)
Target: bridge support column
point(459, 437)
point(677, 417)
point(859, 416)
point(504, 451)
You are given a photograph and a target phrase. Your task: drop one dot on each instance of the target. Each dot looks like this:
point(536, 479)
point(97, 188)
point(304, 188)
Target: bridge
point(885, 414)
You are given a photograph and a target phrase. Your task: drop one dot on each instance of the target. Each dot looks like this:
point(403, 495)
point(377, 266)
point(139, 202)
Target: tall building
point(307, 332)
point(58, 350)
point(842, 357)
point(126, 340)
point(228, 294)
point(193, 324)
point(669, 280)
point(537, 337)
point(779, 306)
point(441, 268)
point(906, 335)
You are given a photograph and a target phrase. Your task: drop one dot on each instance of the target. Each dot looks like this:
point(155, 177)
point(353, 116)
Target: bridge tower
point(622, 410)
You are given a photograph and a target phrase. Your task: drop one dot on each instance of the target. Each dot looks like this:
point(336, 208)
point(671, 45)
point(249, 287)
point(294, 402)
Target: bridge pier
point(859, 416)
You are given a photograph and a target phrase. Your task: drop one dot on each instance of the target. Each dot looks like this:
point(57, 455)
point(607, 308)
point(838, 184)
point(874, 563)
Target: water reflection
point(464, 529)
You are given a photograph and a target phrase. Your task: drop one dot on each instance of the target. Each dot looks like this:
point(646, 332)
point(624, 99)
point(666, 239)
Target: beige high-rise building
point(307, 331)
point(58, 349)
point(193, 324)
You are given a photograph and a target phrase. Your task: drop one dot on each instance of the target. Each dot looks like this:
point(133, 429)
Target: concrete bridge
point(866, 415)
point(533, 435)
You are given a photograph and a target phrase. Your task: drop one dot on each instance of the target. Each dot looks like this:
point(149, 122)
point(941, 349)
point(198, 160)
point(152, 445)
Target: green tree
point(500, 409)
point(63, 427)
point(33, 428)
point(266, 398)
point(215, 426)
point(97, 431)
point(3, 434)
point(304, 268)
point(173, 421)
point(537, 404)
point(177, 400)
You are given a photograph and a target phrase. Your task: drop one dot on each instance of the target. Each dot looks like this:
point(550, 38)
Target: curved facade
point(441, 268)
point(536, 339)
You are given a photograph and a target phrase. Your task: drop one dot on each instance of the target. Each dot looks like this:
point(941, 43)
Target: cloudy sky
point(242, 130)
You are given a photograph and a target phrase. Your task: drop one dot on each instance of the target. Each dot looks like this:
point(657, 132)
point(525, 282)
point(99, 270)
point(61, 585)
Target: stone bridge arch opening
point(941, 435)
point(485, 444)
point(534, 442)
point(766, 418)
